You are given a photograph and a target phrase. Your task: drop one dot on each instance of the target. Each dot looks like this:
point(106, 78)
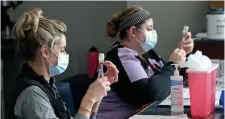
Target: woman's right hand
point(98, 89)
point(178, 56)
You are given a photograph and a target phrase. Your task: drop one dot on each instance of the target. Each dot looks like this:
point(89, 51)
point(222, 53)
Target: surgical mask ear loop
point(138, 41)
point(136, 38)
point(48, 60)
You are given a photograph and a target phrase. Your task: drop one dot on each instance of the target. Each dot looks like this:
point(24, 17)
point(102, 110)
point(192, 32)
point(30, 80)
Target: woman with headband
point(143, 76)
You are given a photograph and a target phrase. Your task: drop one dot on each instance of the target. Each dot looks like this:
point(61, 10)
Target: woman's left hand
point(112, 71)
point(187, 44)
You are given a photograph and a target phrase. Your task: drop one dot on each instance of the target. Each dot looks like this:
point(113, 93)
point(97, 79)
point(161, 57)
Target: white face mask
point(63, 62)
point(150, 40)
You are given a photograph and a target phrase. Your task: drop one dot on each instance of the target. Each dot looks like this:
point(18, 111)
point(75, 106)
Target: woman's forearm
point(95, 110)
point(86, 107)
point(95, 107)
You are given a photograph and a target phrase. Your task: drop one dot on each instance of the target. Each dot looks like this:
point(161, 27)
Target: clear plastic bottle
point(176, 84)
point(101, 58)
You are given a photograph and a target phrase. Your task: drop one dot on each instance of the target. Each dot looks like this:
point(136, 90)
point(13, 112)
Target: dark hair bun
point(111, 29)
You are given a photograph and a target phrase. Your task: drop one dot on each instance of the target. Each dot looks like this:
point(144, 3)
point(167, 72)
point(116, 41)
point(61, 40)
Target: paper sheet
point(184, 116)
point(186, 97)
point(201, 35)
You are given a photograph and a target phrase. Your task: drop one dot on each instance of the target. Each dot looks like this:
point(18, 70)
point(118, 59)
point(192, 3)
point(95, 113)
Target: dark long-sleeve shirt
point(142, 79)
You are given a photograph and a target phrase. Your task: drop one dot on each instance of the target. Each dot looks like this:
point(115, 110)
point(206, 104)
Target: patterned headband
point(133, 19)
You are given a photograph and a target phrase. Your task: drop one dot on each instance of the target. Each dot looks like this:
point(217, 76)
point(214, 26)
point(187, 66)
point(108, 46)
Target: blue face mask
point(63, 61)
point(150, 40)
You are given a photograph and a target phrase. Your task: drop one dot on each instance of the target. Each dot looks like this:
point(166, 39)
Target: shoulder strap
point(155, 68)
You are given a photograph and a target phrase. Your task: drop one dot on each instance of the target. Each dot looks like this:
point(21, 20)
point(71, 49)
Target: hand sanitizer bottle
point(176, 84)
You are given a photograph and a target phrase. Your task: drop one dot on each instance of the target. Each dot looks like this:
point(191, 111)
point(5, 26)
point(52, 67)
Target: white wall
point(86, 23)
point(170, 18)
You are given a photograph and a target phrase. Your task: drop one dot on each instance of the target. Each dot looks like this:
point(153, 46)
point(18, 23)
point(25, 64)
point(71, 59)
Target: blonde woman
point(42, 44)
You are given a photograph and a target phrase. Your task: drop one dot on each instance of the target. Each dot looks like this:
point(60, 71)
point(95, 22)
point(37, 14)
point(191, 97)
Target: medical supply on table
point(202, 89)
point(185, 29)
point(101, 58)
point(217, 61)
point(198, 62)
point(186, 97)
point(215, 24)
point(176, 83)
point(222, 99)
point(184, 116)
point(219, 71)
point(220, 82)
point(201, 80)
